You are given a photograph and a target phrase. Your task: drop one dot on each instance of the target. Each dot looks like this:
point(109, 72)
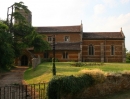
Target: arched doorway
point(24, 60)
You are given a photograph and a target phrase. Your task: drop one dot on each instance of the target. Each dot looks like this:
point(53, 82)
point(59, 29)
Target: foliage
point(24, 34)
point(18, 16)
point(37, 41)
point(79, 64)
point(18, 36)
point(6, 50)
point(67, 84)
point(98, 75)
point(3, 27)
point(128, 56)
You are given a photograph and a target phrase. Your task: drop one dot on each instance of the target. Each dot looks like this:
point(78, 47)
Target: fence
point(33, 91)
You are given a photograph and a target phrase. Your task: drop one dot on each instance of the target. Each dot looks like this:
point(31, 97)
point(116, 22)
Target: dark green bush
point(77, 64)
point(127, 61)
point(67, 84)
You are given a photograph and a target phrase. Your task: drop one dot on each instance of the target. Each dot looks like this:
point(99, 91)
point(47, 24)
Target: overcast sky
point(96, 15)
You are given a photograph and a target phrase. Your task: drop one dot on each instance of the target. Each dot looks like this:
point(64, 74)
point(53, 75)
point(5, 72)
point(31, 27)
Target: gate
point(33, 91)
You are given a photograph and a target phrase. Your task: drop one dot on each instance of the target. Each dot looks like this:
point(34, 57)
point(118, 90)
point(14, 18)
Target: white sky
point(96, 15)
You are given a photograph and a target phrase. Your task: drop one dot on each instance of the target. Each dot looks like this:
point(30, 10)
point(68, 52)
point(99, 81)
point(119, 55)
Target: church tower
point(28, 16)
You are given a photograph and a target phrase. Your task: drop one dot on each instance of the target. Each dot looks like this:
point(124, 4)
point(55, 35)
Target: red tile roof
point(58, 29)
point(102, 35)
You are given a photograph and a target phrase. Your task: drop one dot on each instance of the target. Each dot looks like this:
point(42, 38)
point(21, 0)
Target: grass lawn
point(43, 72)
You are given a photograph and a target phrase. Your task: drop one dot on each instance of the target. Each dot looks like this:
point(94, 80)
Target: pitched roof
point(58, 29)
point(64, 46)
point(103, 35)
point(67, 46)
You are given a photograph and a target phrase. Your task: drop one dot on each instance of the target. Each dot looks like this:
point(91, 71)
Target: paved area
point(15, 76)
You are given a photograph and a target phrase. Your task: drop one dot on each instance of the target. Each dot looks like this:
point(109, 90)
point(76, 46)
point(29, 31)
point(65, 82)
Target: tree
point(128, 56)
point(16, 37)
point(24, 34)
point(6, 48)
point(15, 14)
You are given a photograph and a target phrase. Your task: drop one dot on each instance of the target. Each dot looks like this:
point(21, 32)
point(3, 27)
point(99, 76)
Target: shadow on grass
point(38, 71)
point(44, 71)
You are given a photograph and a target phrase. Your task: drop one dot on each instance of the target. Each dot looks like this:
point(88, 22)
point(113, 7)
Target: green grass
point(43, 72)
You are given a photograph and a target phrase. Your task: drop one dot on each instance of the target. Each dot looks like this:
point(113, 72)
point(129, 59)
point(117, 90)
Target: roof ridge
point(57, 26)
point(101, 32)
point(75, 28)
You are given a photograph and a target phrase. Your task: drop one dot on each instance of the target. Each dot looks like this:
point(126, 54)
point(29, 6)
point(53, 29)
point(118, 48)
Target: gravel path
point(15, 76)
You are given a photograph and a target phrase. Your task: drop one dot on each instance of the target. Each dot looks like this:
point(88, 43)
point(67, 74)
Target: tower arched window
point(91, 50)
point(112, 50)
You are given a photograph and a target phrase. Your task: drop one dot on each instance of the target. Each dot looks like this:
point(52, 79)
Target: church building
point(74, 44)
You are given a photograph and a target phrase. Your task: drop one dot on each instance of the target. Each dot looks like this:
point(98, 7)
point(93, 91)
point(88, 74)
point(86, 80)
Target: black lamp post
point(54, 68)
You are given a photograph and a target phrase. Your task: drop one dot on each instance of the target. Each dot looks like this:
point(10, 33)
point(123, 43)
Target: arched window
point(112, 49)
point(91, 50)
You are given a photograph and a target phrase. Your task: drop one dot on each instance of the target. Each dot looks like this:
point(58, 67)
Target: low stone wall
point(112, 84)
point(36, 61)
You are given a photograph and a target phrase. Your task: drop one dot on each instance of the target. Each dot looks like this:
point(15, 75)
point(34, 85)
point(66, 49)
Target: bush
point(60, 85)
point(77, 64)
point(98, 75)
point(126, 72)
point(127, 61)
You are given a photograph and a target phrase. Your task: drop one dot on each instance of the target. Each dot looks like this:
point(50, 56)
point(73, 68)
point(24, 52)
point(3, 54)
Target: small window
point(91, 50)
point(67, 38)
point(65, 55)
point(46, 55)
point(112, 49)
point(49, 38)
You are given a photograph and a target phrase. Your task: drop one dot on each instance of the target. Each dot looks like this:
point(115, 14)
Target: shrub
point(126, 72)
point(60, 85)
point(77, 64)
point(97, 74)
point(127, 61)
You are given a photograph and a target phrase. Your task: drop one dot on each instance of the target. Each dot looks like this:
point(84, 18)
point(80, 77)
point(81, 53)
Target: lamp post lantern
point(54, 68)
